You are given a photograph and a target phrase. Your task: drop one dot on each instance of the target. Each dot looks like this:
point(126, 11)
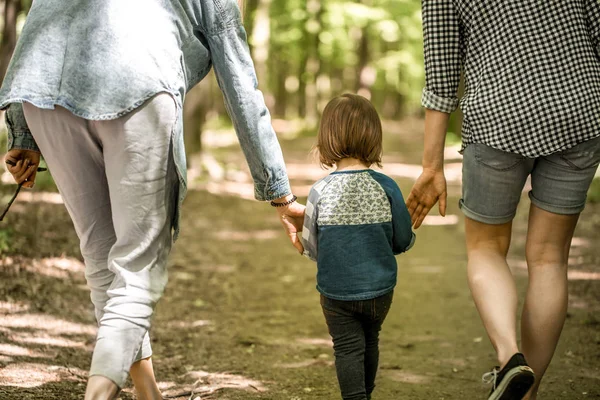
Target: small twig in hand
point(11, 163)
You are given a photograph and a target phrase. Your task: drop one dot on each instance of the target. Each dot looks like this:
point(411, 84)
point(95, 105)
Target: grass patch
point(5, 239)
point(594, 192)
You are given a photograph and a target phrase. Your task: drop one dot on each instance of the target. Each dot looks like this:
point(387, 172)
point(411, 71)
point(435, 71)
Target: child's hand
point(23, 165)
point(427, 190)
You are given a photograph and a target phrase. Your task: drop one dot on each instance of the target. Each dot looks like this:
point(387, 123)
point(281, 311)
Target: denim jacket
point(102, 59)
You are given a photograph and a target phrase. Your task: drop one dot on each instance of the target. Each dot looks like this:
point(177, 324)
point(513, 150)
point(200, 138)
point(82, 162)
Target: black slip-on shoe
point(512, 382)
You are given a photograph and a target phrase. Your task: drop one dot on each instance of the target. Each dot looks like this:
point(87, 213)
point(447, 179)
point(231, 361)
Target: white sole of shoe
point(515, 385)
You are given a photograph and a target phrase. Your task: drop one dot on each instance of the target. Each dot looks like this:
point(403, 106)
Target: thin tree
point(12, 9)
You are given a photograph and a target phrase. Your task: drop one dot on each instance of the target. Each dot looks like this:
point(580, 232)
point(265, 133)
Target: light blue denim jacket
point(101, 59)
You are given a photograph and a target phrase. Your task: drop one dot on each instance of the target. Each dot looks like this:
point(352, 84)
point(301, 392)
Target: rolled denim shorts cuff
point(278, 189)
point(484, 218)
point(561, 210)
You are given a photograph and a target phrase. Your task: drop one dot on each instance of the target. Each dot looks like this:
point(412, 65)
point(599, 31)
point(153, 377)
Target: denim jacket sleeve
point(19, 135)
point(404, 237)
point(245, 104)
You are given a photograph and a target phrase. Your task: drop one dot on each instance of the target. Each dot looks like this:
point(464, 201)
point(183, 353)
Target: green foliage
point(45, 183)
point(594, 192)
point(3, 140)
point(329, 33)
point(5, 239)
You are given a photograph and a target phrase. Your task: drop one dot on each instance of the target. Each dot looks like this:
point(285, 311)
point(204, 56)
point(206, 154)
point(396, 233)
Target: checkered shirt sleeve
point(531, 68)
point(593, 23)
point(443, 55)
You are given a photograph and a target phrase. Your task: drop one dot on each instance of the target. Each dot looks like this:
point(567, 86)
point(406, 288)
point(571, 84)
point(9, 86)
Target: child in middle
point(356, 222)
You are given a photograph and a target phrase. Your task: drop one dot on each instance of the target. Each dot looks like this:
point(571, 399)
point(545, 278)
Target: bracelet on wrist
point(287, 203)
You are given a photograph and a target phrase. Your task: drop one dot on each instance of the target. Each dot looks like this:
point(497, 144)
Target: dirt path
point(241, 311)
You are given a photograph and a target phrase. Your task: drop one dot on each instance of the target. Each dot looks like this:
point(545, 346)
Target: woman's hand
point(427, 190)
point(292, 219)
point(23, 165)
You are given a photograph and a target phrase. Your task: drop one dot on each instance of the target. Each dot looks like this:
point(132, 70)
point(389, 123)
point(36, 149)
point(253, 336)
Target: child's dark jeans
point(354, 327)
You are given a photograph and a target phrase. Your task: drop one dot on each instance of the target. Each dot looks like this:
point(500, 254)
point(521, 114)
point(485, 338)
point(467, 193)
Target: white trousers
point(119, 184)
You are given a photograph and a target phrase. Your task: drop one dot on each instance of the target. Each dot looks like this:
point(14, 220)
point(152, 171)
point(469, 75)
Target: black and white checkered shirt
point(532, 70)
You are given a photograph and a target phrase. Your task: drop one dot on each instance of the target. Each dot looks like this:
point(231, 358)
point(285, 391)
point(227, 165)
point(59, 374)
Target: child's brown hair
point(350, 128)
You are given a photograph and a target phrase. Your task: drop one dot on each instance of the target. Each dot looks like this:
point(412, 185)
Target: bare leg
point(100, 388)
point(548, 243)
point(142, 375)
point(492, 284)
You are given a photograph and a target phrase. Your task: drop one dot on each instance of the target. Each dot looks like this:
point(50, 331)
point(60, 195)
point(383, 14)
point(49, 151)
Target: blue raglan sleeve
point(403, 237)
point(310, 229)
point(244, 102)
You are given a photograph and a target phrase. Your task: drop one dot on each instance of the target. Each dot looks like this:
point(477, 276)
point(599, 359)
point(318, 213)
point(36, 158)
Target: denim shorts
point(493, 181)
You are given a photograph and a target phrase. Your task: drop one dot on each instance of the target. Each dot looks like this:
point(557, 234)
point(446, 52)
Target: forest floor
point(241, 316)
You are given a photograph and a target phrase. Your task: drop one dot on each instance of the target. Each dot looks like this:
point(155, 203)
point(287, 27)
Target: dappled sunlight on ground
point(54, 267)
point(520, 267)
point(190, 325)
point(583, 275)
point(243, 190)
point(207, 382)
point(579, 242)
point(405, 377)
point(29, 375)
point(46, 323)
point(31, 196)
point(8, 307)
point(322, 342)
point(18, 351)
point(44, 339)
point(207, 385)
point(245, 235)
point(427, 269)
point(438, 220)
point(322, 360)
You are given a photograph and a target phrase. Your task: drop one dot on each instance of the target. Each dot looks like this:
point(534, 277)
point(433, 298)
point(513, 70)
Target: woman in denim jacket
point(531, 109)
point(98, 89)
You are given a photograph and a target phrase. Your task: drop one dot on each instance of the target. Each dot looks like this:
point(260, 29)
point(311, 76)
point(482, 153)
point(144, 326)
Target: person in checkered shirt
point(531, 108)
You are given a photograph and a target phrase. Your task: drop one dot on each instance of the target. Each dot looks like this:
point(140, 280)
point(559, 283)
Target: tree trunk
point(198, 102)
point(249, 18)
point(261, 33)
point(281, 94)
point(363, 60)
point(12, 8)
point(310, 64)
point(302, 78)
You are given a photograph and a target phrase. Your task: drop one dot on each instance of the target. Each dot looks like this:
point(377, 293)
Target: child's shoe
point(512, 382)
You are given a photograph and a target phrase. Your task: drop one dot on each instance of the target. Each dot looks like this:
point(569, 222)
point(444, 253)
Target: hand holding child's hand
point(427, 190)
point(292, 219)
